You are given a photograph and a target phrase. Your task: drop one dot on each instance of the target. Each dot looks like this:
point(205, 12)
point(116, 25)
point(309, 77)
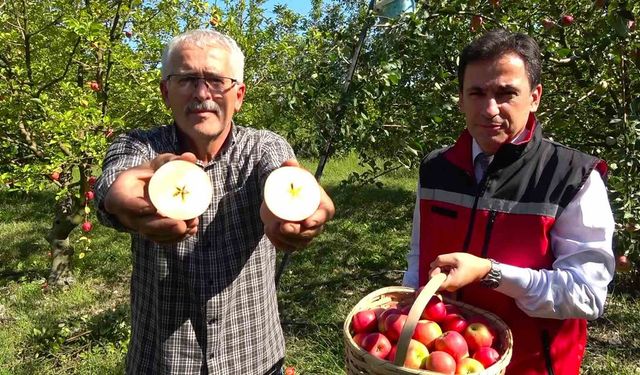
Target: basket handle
point(414, 315)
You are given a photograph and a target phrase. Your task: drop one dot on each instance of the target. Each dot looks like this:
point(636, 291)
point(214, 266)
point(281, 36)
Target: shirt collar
point(475, 147)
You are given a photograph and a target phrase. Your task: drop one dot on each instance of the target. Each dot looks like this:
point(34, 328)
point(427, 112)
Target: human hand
point(461, 269)
point(128, 199)
point(295, 235)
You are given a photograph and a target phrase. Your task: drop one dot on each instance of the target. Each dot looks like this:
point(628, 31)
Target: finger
point(158, 227)
point(161, 160)
point(324, 213)
point(189, 156)
point(290, 163)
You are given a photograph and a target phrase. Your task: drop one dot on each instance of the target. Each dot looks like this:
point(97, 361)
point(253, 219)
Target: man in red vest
point(521, 225)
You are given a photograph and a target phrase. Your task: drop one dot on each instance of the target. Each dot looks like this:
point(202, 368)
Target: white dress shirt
point(584, 264)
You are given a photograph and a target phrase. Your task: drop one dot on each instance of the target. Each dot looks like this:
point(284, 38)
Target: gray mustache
point(208, 105)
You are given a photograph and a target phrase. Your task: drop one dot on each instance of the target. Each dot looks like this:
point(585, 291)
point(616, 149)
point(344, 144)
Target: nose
point(492, 108)
point(201, 90)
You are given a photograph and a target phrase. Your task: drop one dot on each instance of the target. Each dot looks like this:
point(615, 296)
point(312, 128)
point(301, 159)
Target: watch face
point(490, 283)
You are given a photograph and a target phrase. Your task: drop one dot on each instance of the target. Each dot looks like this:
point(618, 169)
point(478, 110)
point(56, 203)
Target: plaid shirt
point(208, 302)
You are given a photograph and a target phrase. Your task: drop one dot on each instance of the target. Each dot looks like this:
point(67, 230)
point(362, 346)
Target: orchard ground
point(85, 328)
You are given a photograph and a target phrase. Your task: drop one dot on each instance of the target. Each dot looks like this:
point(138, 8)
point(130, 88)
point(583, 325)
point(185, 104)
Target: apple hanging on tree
point(94, 86)
point(180, 190)
point(567, 20)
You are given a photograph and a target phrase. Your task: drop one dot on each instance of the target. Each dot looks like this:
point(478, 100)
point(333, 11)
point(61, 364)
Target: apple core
point(292, 193)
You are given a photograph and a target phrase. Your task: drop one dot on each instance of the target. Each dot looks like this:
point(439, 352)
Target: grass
point(85, 328)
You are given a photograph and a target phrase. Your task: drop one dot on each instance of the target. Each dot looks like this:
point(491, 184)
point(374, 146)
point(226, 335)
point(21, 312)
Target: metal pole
point(339, 115)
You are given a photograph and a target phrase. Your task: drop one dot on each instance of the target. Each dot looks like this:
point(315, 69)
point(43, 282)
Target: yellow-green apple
point(393, 325)
point(417, 354)
point(435, 310)
point(482, 319)
point(376, 344)
point(426, 332)
point(487, 356)
point(477, 336)
point(454, 322)
point(180, 190)
point(442, 362)
point(292, 193)
point(364, 321)
point(383, 316)
point(468, 366)
point(453, 343)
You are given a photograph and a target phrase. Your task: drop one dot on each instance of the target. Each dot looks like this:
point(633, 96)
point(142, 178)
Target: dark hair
point(497, 43)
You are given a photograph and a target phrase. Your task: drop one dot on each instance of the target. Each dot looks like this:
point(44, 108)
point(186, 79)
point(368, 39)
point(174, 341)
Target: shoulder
point(569, 154)
point(435, 155)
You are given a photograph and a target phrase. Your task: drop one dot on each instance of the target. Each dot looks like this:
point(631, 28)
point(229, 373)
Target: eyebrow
point(501, 88)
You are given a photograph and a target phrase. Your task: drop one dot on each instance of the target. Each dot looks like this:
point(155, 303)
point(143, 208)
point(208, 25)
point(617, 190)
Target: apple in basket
point(453, 343)
point(427, 332)
point(435, 310)
point(292, 193)
point(364, 321)
point(393, 326)
point(417, 354)
point(180, 190)
point(441, 362)
point(477, 336)
point(468, 365)
point(454, 322)
point(383, 316)
point(487, 356)
point(377, 345)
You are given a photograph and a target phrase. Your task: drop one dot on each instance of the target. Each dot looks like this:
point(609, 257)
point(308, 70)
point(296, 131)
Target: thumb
point(290, 163)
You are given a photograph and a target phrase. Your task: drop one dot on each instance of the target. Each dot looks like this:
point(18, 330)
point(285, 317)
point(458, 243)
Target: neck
point(204, 148)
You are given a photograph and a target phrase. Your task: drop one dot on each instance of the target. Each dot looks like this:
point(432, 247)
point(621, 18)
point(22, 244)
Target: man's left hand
point(290, 235)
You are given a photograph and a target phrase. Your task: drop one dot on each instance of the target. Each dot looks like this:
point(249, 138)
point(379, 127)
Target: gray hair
point(202, 38)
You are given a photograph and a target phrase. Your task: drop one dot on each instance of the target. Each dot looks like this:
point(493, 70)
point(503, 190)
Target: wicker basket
point(360, 362)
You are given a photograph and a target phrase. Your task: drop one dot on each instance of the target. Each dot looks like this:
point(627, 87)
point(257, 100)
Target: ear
point(536, 93)
point(164, 90)
point(240, 91)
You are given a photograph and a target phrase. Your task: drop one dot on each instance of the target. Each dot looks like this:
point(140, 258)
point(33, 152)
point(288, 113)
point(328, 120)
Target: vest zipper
point(487, 234)
point(546, 350)
point(482, 187)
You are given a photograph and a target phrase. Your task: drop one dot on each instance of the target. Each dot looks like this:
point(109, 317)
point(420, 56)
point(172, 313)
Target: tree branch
point(64, 74)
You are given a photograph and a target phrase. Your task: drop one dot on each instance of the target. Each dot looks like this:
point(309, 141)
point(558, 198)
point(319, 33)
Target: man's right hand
point(128, 200)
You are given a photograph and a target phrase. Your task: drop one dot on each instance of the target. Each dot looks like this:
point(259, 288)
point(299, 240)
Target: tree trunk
point(68, 216)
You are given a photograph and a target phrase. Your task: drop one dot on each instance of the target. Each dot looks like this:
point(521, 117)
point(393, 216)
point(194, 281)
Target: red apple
point(290, 371)
point(487, 356)
point(548, 24)
point(364, 321)
point(55, 176)
point(435, 310)
point(92, 180)
point(478, 335)
point(476, 23)
point(94, 86)
point(108, 133)
point(383, 316)
point(566, 20)
point(623, 264)
point(89, 195)
point(495, 3)
point(631, 24)
point(417, 354)
point(482, 319)
point(452, 309)
point(128, 34)
point(377, 345)
point(86, 226)
point(454, 322)
point(393, 326)
point(292, 193)
point(468, 366)
point(426, 332)
point(357, 338)
point(441, 362)
point(453, 343)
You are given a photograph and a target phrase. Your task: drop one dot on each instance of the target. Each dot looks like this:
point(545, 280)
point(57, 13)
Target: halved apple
point(180, 190)
point(292, 193)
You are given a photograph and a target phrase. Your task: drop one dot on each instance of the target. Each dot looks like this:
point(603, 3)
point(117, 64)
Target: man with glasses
point(203, 293)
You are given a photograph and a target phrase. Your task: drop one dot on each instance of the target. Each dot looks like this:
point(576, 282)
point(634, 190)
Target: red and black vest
point(508, 216)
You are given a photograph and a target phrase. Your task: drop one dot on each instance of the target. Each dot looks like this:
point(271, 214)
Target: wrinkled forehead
point(191, 57)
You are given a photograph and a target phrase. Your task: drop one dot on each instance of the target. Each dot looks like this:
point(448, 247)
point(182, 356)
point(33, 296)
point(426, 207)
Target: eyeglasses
point(217, 84)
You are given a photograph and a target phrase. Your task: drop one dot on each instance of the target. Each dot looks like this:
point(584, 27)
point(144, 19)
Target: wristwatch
point(493, 277)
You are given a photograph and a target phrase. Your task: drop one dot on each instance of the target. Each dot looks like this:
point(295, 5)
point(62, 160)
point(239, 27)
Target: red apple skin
point(94, 86)
point(364, 321)
point(290, 371)
point(452, 309)
point(86, 226)
point(383, 316)
point(417, 355)
point(357, 338)
point(393, 326)
point(485, 321)
point(454, 322)
point(566, 20)
point(495, 3)
point(477, 336)
point(55, 176)
point(377, 345)
point(434, 311)
point(442, 362)
point(453, 343)
point(427, 332)
point(468, 366)
point(487, 356)
point(92, 180)
point(623, 264)
point(548, 24)
point(476, 23)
